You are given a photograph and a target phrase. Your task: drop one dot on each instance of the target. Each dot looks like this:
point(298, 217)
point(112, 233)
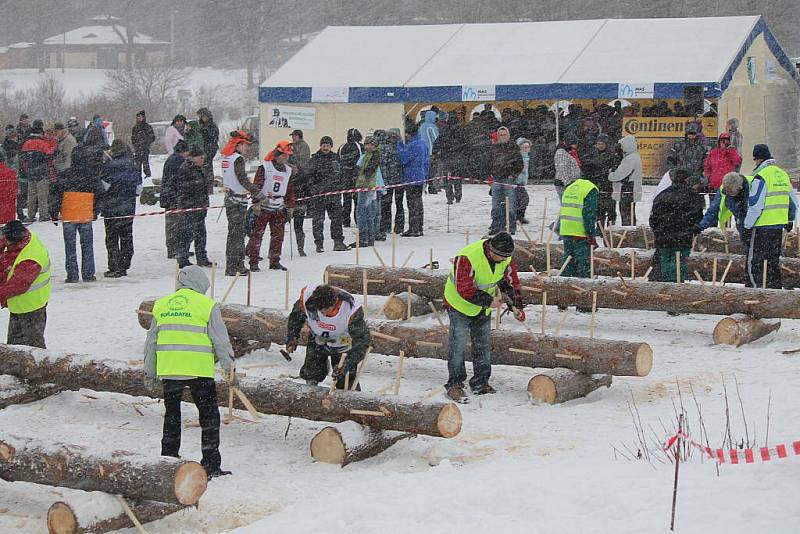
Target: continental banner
point(656, 135)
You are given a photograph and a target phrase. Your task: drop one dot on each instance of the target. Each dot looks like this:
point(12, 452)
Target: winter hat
point(140, 113)
point(521, 140)
point(235, 139)
point(118, 148)
point(72, 121)
point(10, 128)
point(59, 126)
point(177, 118)
point(502, 244)
point(326, 140)
point(691, 128)
point(394, 131)
point(180, 147)
point(570, 139)
point(370, 140)
point(679, 175)
point(283, 147)
point(23, 116)
point(196, 151)
point(37, 127)
point(14, 231)
point(761, 152)
point(298, 133)
point(603, 138)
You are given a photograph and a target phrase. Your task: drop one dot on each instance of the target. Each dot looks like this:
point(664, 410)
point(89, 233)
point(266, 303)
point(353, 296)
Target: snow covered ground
point(515, 467)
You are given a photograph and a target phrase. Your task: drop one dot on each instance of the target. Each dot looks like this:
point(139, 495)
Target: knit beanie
point(326, 140)
point(502, 244)
point(761, 152)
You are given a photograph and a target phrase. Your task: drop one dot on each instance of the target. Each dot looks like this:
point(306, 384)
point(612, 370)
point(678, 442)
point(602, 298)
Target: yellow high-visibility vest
point(777, 201)
point(38, 294)
point(183, 347)
point(724, 213)
point(486, 279)
point(571, 216)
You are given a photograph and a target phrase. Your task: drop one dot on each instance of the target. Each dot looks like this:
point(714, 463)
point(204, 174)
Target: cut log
point(555, 386)
point(99, 512)
point(16, 391)
point(167, 480)
point(739, 329)
point(351, 442)
point(610, 261)
point(279, 397)
point(616, 294)
point(396, 307)
point(509, 347)
point(711, 240)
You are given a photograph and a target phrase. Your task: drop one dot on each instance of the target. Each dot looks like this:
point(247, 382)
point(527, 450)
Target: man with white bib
point(338, 332)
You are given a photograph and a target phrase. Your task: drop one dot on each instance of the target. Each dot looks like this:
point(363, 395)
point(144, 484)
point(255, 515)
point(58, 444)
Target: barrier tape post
point(677, 466)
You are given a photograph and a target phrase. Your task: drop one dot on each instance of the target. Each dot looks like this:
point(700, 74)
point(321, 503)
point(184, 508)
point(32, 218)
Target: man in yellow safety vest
point(731, 201)
point(185, 335)
point(25, 287)
point(577, 225)
point(772, 207)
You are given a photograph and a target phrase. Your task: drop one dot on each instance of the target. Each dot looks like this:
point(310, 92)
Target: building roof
point(98, 35)
point(524, 60)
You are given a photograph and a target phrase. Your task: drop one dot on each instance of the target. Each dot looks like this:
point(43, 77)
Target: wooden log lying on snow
point(16, 391)
point(555, 386)
point(615, 294)
point(279, 397)
point(97, 513)
point(711, 240)
point(509, 347)
point(610, 261)
point(351, 442)
point(397, 306)
point(158, 478)
point(739, 329)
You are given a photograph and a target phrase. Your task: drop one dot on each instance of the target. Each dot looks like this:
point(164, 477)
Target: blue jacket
point(428, 130)
point(168, 198)
point(415, 159)
point(736, 207)
point(121, 180)
point(758, 194)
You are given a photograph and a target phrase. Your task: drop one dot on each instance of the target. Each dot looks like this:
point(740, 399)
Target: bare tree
point(48, 98)
point(150, 86)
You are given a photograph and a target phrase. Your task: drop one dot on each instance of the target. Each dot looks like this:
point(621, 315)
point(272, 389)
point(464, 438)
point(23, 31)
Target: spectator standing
point(121, 182)
point(301, 154)
point(450, 149)
point(690, 152)
point(506, 166)
point(324, 175)
point(142, 136)
point(72, 199)
point(349, 154)
point(720, 161)
point(522, 197)
point(168, 197)
point(174, 132)
point(237, 189)
point(35, 162)
point(9, 191)
point(414, 158)
point(602, 160)
point(567, 163)
point(96, 133)
point(23, 128)
point(732, 126)
point(192, 188)
point(209, 134)
point(75, 128)
point(369, 177)
point(11, 146)
point(392, 172)
point(627, 180)
point(66, 144)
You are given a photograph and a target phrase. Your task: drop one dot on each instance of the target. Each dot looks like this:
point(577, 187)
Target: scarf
point(368, 169)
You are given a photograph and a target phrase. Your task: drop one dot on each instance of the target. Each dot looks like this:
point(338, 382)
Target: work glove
point(256, 208)
point(259, 197)
point(338, 373)
point(789, 226)
point(291, 345)
point(151, 383)
point(519, 314)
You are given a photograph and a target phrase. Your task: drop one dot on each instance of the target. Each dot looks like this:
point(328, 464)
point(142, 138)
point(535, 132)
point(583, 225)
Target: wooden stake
point(544, 220)
point(764, 276)
point(408, 309)
point(338, 366)
point(633, 264)
point(677, 466)
point(375, 250)
point(547, 255)
point(230, 287)
point(647, 273)
point(591, 262)
point(396, 390)
point(131, 515)
point(714, 272)
point(644, 233)
point(561, 323)
point(622, 238)
point(177, 270)
point(408, 259)
point(633, 214)
point(430, 260)
point(325, 277)
point(358, 248)
point(231, 376)
point(524, 232)
point(365, 291)
point(436, 313)
point(678, 267)
point(286, 292)
point(213, 278)
point(508, 217)
point(564, 265)
point(360, 368)
point(594, 312)
point(394, 250)
point(249, 286)
point(725, 273)
point(497, 318)
point(544, 308)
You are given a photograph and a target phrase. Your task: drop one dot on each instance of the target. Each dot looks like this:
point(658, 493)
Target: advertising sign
point(656, 135)
point(291, 117)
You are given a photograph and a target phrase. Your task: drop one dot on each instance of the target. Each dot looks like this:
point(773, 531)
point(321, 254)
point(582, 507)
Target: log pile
point(97, 513)
point(739, 329)
point(16, 391)
point(615, 294)
point(711, 240)
point(268, 396)
point(350, 442)
point(166, 480)
point(621, 358)
point(555, 386)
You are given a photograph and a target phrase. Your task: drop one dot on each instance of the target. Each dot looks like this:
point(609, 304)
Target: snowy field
point(515, 467)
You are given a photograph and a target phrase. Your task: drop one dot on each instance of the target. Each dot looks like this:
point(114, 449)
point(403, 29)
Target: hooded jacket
point(391, 168)
point(96, 134)
point(209, 134)
point(688, 154)
point(349, 154)
point(173, 164)
point(191, 186)
point(324, 173)
point(120, 179)
point(142, 136)
point(719, 162)
point(415, 159)
point(428, 130)
point(172, 135)
point(676, 212)
point(192, 277)
point(629, 170)
point(36, 158)
point(506, 162)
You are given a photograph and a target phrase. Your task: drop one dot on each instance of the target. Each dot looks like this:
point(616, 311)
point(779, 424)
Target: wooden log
point(97, 513)
point(152, 478)
point(351, 442)
point(396, 306)
point(509, 347)
point(555, 386)
point(633, 295)
point(711, 240)
point(16, 391)
point(739, 329)
point(610, 261)
point(269, 396)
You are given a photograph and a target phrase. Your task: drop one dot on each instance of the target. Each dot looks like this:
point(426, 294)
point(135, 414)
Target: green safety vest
point(571, 216)
point(485, 279)
point(777, 201)
point(38, 294)
point(724, 213)
point(183, 347)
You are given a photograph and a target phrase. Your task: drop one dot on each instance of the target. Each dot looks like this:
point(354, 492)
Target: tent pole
point(558, 140)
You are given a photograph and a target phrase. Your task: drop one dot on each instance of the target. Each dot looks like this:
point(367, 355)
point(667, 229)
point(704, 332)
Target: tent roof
point(588, 58)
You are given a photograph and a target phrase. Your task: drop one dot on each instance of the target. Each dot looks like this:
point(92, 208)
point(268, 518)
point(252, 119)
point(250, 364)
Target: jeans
point(366, 210)
point(204, 394)
point(415, 208)
point(71, 253)
point(503, 194)
point(477, 330)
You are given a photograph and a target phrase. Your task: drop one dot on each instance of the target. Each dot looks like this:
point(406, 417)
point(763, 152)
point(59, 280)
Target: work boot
point(254, 268)
point(339, 246)
point(301, 253)
point(457, 394)
point(113, 274)
point(232, 272)
point(276, 266)
point(320, 248)
point(216, 472)
point(482, 389)
point(204, 263)
point(380, 237)
point(312, 382)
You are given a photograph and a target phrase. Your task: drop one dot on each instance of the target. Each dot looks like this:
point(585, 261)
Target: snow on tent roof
point(520, 60)
point(97, 35)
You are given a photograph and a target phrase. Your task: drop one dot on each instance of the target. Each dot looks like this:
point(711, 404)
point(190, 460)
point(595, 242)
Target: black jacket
point(506, 162)
point(191, 186)
point(349, 154)
point(676, 212)
point(171, 167)
point(210, 134)
point(324, 173)
point(598, 166)
point(142, 137)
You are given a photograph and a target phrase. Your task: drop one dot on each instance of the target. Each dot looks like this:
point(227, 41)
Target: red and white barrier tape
point(740, 456)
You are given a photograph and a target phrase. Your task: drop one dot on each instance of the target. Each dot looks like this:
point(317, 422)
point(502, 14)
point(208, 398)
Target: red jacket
point(719, 162)
point(24, 275)
point(8, 194)
point(465, 283)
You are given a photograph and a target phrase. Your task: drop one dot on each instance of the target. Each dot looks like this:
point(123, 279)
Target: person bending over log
point(730, 202)
point(186, 333)
point(337, 327)
point(483, 275)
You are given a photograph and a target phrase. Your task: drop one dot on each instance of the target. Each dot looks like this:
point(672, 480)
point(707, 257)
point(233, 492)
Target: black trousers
point(171, 229)
point(235, 212)
point(452, 189)
point(627, 215)
point(765, 245)
point(298, 218)
point(349, 201)
point(315, 366)
point(191, 226)
point(119, 243)
point(607, 209)
point(415, 209)
point(142, 162)
point(332, 205)
point(204, 395)
point(395, 194)
point(22, 199)
point(27, 328)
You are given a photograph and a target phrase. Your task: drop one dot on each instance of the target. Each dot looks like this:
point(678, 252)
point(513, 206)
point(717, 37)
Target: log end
point(7, 452)
point(61, 519)
point(394, 309)
point(449, 423)
point(542, 389)
point(727, 332)
point(191, 482)
point(328, 446)
point(644, 360)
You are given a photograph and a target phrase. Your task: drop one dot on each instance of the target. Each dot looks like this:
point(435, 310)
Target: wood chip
point(521, 351)
point(620, 293)
point(412, 281)
point(337, 275)
point(367, 412)
point(569, 356)
point(751, 302)
point(696, 302)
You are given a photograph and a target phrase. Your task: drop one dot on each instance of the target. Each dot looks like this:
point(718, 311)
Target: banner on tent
point(330, 94)
point(292, 117)
point(656, 135)
point(478, 93)
point(636, 90)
